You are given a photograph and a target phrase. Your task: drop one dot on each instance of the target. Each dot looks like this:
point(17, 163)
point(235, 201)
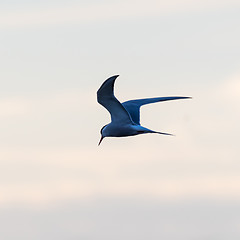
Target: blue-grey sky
point(55, 183)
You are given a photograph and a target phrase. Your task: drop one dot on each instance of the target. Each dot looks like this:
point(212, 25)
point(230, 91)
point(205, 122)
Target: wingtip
point(187, 97)
point(111, 78)
point(115, 76)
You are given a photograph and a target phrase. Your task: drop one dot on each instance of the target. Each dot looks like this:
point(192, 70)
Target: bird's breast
point(121, 130)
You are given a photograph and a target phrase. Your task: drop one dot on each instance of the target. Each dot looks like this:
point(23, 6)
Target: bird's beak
point(100, 140)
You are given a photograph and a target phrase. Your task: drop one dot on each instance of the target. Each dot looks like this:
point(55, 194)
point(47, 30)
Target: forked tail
point(164, 133)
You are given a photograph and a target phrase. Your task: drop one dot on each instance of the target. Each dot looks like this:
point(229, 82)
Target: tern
point(125, 117)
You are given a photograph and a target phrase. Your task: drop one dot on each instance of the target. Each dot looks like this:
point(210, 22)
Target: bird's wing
point(105, 96)
point(133, 106)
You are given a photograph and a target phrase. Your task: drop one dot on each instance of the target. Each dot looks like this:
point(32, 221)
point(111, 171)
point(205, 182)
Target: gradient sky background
point(55, 183)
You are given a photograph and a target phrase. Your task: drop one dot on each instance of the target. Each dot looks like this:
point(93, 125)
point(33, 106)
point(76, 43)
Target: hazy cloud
point(56, 183)
point(13, 107)
point(123, 218)
point(70, 14)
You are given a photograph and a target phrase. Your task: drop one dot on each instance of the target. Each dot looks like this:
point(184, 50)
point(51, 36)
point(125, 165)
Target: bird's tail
point(146, 130)
point(164, 133)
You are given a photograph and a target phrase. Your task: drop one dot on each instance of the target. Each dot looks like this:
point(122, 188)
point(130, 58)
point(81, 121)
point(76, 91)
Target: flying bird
point(125, 117)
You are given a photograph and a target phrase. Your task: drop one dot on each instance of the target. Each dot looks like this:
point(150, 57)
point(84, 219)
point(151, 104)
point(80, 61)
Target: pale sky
point(56, 183)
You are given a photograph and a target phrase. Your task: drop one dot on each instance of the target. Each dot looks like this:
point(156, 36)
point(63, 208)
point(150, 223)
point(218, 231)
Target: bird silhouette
point(125, 117)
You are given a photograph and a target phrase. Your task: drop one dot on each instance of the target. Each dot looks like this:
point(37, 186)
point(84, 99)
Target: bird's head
point(103, 135)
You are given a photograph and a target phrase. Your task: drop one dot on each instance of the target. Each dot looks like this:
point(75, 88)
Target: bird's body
point(124, 130)
point(125, 116)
